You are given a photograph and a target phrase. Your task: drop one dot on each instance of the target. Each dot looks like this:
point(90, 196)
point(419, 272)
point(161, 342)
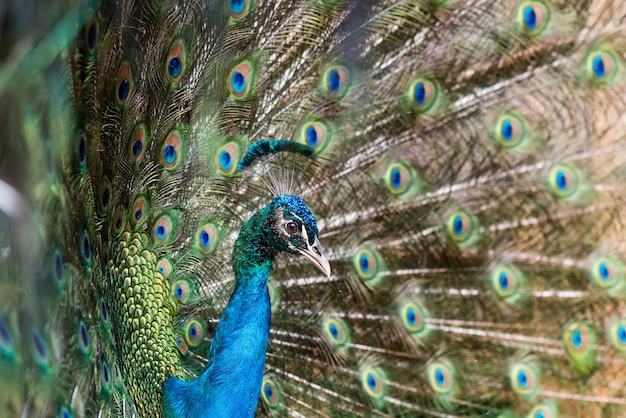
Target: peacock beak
point(315, 254)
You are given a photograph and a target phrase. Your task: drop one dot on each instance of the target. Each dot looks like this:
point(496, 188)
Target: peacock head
point(294, 230)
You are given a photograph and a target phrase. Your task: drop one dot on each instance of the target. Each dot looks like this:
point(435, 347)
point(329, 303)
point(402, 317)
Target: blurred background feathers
point(467, 177)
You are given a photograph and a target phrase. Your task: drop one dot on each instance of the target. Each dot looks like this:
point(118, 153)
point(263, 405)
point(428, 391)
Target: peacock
point(334, 208)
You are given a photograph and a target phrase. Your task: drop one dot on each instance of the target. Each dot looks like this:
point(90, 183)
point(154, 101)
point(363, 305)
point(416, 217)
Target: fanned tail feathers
point(467, 176)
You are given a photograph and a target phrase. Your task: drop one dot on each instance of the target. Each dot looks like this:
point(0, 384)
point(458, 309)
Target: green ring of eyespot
point(206, 238)
point(578, 338)
point(315, 134)
point(533, 17)
point(181, 291)
point(412, 316)
point(271, 392)
point(461, 226)
point(227, 158)
point(7, 346)
point(164, 267)
point(373, 382)
point(523, 379)
point(336, 78)
point(175, 62)
point(543, 411)
point(83, 338)
point(602, 66)
point(423, 95)
point(366, 264)
point(337, 331)
point(398, 178)
point(40, 350)
point(194, 333)
point(564, 180)
point(440, 378)
point(606, 272)
point(162, 231)
point(510, 130)
point(617, 335)
point(240, 80)
point(139, 213)
point(505, 281)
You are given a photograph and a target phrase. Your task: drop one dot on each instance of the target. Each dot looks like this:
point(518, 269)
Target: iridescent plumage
point(464, 161)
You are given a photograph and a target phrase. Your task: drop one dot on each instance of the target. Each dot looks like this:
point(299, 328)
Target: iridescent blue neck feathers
point(231, 383)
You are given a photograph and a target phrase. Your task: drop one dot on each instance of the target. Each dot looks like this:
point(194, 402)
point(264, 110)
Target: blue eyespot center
point(205, 239)
point(371, 381)
point(539, 415)
point(238, 82)
point(522, 379)
point(226, 160)
point(138, 214)
point(507, 130)
point(58, 266)
point(169, 154)
point(236, 5)
point(605, 273)
point(193, 332)
point(269, 392)
point(91, 36)
point(530, 18)
point(123, 89)
point(561, 180)
point(137, 147)
point(311, 136)
point(4, 333)
point(333, 331)
point(86, 248)
point(440, 377)
point(103, 311)
point(411, 317)
point(106, 194)
point(458, 225)
point(160, 231)
point(419, 93)
point(577, 339)
point(118, 223)
point(621, 333)
point(179, 292)
point(334, 81)
point(396, 178)
point(39, 344)
point(174, 67)
point(105, 373)
point(84, 336)
point(503, 279)
point(364, 262)
point(599, 68)
point(82, 149)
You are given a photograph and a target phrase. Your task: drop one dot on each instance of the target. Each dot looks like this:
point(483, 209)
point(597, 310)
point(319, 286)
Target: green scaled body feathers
point(465, 163)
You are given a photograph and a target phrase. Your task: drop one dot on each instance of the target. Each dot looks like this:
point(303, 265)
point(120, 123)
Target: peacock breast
point(138, 297)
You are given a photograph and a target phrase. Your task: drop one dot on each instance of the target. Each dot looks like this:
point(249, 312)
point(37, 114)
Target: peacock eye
point(292, 228)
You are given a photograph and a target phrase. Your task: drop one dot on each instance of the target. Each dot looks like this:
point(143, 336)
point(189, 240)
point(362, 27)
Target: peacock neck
point(253, 251)
point(231, 383)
